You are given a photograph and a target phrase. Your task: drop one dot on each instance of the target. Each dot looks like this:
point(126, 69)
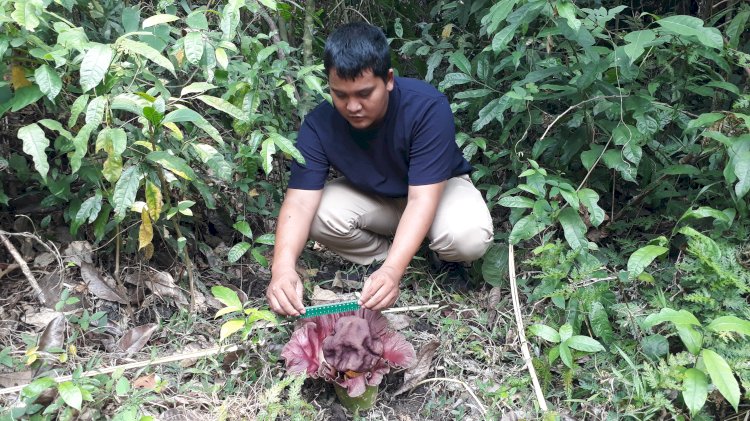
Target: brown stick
point(9, 269)
point(24, 267)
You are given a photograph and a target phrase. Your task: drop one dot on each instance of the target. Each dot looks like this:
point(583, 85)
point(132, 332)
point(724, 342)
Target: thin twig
point(9, 269)
point(138, 364)
point(521, 330)
point(410, 308)
point(24, 267)
point(482, 409)
point(573, 107)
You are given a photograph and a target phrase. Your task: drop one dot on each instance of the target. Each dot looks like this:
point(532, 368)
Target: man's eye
point(364, 94)
point(340, 95)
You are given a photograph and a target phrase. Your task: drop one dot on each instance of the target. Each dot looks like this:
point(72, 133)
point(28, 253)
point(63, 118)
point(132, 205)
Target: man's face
point(363, 101)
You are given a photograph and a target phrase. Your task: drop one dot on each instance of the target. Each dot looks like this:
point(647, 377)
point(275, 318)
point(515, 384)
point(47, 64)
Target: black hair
point(356, 47)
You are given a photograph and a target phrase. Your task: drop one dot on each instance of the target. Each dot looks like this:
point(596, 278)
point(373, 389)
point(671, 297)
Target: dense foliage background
point(611, 142)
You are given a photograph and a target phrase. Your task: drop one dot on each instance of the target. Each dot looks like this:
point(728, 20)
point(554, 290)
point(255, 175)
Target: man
point(393, 140)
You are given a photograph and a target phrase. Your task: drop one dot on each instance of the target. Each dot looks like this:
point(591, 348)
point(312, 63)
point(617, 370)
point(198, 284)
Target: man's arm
point(284, 293)
point(382, 287)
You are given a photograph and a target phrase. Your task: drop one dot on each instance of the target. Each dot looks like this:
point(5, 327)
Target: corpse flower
point(353, 350)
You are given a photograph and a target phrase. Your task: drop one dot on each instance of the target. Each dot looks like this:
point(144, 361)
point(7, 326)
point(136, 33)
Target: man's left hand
point(381, 289)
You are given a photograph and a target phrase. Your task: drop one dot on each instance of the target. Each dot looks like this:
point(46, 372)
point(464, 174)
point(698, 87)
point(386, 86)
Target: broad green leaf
point(573, 228)
point(230, 327)
point(194, 47)
point(35, 143)
point(38, 386)
point(565, 355)
point(453, 79)
point(459, 60)
point(703, 120)
point(90, 209)
point(81, 143)
point(244, 228)
point(158, 19)
point(271, 4)
point(268, 239)
point(742, 171)
point(237, 251)
point(214, 160)
point(566, 332)
point(95, 65)
point(692, 339)
point(287, 146)
point(599, 322)
point(711, 37)
point(223, 106)
point(643, 257)
point(26, 13)
point(681, 317)
point(112, 169)
point(473, 93)
point(197, 87)
point(77, 108)
point(694, 390)
point(497, 14)
point(265, 53)
point(692, 26)
point(24, 97)
point(123, 386)
point(154, 200)
point(590, 199)
point(584, 343)
point(502, 38)
point(526, 228)
point(637, 41)
point(705, 212)
point(722, 376)
point(655, 346)
point(230, 17)
point(545, 332)
point(681, 169)
point(221, 58)
point(516, 202)
point(567, 11)
point(144, 50)
point(736, 28)
point(707, 245)
point(95, 111)
point(71, 394)
point(495, 265)
point(730, 324)
point(197, 20)
point(268, 148)
point(146, 231)
point(492, 111)
point(125, 191)
point(259, 257)
point(56, 126)
point(172, 163)
point(112, 140)
point(48, 80)
point(227, 296)
point(188, 115)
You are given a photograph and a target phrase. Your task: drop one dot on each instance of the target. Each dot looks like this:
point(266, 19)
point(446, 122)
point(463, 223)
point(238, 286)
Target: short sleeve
point(433, 145)
point(312, 174)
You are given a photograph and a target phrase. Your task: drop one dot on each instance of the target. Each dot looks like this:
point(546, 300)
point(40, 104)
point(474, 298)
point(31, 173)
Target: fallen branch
point(410, 308)
point(482, 409)
point(573, 107)
point(522, 330)
point(9, 269)
point(24, 267)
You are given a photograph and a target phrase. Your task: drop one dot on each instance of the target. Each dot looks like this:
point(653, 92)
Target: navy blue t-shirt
point(415, 144)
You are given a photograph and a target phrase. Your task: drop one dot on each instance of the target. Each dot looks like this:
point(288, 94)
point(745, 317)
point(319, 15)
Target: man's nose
point(353, 106)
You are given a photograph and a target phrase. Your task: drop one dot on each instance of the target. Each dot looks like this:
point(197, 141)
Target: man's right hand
point(284, 293)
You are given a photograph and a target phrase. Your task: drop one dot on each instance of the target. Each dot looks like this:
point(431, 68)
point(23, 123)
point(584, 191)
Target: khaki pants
point(359, 226)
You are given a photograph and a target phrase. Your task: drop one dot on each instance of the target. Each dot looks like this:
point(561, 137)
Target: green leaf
point(694, 390)
point(681, 317)
point(26, 13)
point(268, 239)
point(453, 79)
point(573, 228)
point(259, 257)
point(495, 265)
point(71, 394)
point(473, 93)
point(267, 150)
point(492, 111)
point(287, 146)
point(526, 228)
point(497, 15)
point(692, 27)
point(545, 332)
point(244, 228)
point(516, 202)
point(230, 327)
point(692, 339)
point(172, 163)
point(35, 143)
point(95, 65)
point(223, 106)
point(637, 41)
point(90, 209)
point(193, 47)
point(237, 251)
point(197, 87)
point(48, 80)
point(112, 140)
point(722, 376)
point(459, 60)
point(742, 171)
point(221, 58)
point(197, 20)
point(125, 191)
point(730, 324)
point(24, 97)
point(599, 322)
point(736, 28)
point(122, 387)
point(38, 386)
point(227, 296)
point(655, 346)
point(565, 355)
point(590, 199)
point(144, 50)
point(158, 19)
point(567, 11)
point(95, 111)
point(584, 343)
point(705, 212)
point(703, 120)
point(77, 108)
point(566, 332)
point(643, 257)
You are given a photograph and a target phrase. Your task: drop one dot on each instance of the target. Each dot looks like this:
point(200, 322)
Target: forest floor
point(469, 366)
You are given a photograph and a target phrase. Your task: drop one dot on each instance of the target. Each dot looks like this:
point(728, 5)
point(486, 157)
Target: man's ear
point(389, 80)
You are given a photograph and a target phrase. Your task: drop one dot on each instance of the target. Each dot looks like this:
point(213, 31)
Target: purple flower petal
point(397, 350)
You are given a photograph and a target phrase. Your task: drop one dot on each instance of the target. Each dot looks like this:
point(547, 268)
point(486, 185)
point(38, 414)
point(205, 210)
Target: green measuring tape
point(325, 309)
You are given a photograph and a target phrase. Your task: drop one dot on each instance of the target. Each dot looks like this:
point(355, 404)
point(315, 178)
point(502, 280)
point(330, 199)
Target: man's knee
point(465, 244)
